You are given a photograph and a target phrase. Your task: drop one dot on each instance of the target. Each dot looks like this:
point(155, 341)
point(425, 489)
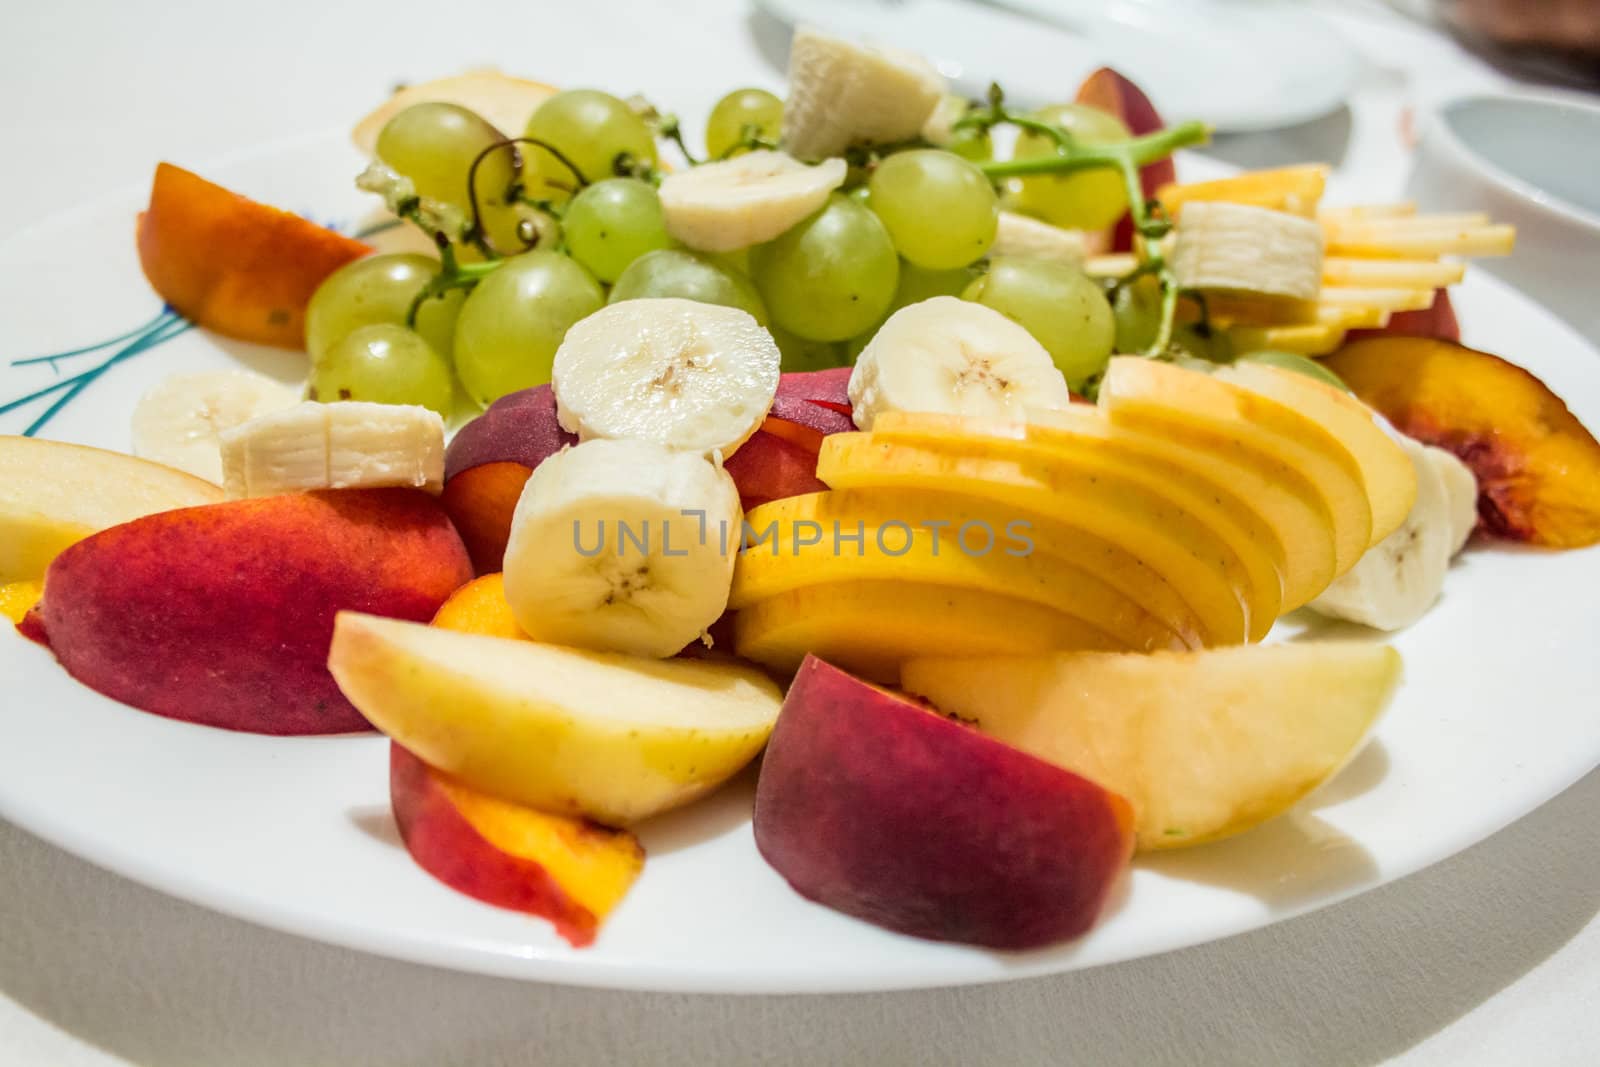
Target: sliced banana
point(953, 357)
point(344, 445)
point(842, 94)
point(1020, 235)
point(1239, 248)
point(1461, 494)
point(178, 421)
point(622, 546)
point(739, 202)
point(690, 376)
point(506, 102)
point(1400, 577)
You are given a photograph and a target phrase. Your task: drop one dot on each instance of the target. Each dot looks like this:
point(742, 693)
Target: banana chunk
point(689, 376)
point(622, 546)
point(1239, 248)
point(178, 421)
point(1020, 235)
point(842, 94)
point(1400, 577)
point(739, 202)
point(954, 357)
point(1461, 493)
point(343, 445)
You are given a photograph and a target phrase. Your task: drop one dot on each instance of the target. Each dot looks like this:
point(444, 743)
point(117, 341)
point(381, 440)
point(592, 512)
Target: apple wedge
point(570, 871)
point(611, 737)
point(53, 495)
point(1204, 744)
point(879, 807)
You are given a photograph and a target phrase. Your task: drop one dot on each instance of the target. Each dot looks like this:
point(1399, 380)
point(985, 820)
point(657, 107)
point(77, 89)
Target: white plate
point(1497, 714)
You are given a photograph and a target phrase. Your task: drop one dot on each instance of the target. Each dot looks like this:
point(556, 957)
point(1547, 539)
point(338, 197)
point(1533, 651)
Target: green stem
point(1073, 155)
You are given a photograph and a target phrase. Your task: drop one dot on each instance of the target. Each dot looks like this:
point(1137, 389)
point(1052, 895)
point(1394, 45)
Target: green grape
point(591, 129)
point(861, 194)
point(1061, 306)
point(377, 289)
point(801, 355)
point(733, 113)
point(673, 272)
point(1297, 363)
point(384, 364)
point(1136, 309)
point(612, 223)
point(512, 323)
point(737, 261)
point(829, 276)
point(939, 209)
point(918, 284)
point(971, 144)
point(1202, 342)
point(1086, 199)
point(434, 144)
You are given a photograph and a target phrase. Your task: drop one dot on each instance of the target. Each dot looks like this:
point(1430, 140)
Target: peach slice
point(480, 607)
point(771, 466)
point(1204, 744)
point(223, 614)
point(232, 264)
point(1116, 95)
point(1438, 320)
point(1538, 468)
point(879, 807)
point(569, 871)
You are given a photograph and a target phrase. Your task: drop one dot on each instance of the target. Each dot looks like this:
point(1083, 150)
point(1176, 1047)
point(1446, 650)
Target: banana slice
point(178, 421)
point(1020, 235)
point(693, 377)
point(622, 546)
point(842, 93)
point(1239, 248)
point(1399, 578)
point(1461, 494)
point(953, 357)
point(739, 202)
point(343, 445)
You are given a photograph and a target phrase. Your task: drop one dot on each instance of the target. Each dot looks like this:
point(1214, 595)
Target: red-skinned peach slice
point(830, 388)
point(1116, 95)
point(882, 808)
point(1538, 468)
point(234, 265)
point(770, 467)
point(570, 871)
point(1436, 320)
point(818, 418)
point(223, 614)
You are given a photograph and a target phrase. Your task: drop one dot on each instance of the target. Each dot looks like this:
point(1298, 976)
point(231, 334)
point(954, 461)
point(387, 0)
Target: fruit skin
point(1119, 96)
point(769, 467)
point(488, 463)
point(222, 615)
point(231, 264)
point(880, 807)
point(830, 388)
point(570, 871)
point(1538, 468)
point(1203, 744)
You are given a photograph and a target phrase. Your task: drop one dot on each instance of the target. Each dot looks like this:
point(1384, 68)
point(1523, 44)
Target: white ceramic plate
point(1497, 714)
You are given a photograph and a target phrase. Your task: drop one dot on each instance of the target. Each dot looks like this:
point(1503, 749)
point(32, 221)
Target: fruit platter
point(890, 540)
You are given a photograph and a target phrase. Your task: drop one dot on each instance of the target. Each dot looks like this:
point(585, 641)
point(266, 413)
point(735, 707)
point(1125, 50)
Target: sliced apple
point(570, 871)
point(929, 539)
point(1387, 471)
point(1204, 744)
point(1084, 492)
point(612, 737)
point(881, 808)
point(53, 495)
point(1083, 435)
point(871, 627)
point(1164, 397)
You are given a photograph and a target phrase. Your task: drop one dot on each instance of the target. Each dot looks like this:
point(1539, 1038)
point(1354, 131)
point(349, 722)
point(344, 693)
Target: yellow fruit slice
point(1204, 744)
point(1162, 395)
point(871, 627)
point(864, 535)
point(1072, 434)
point(1091, 496)
point(1386, 470)
point(17, 598)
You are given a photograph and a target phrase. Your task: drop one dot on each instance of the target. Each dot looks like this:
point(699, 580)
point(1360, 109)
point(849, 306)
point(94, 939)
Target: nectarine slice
point(769, 467)
point(232, 264)
point(1538, 468)
point(480, 607)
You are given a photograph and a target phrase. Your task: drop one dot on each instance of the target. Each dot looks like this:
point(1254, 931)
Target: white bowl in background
point(1532, 160)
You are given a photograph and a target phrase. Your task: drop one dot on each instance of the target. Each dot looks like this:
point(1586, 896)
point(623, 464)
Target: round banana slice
point(1246, 249)
point(690, 376)
point(953, 357)
point(1020, 235)
point(739, 202)
point(1461, 494)
point(842, 93)
point(178, 421)
point(622, 546)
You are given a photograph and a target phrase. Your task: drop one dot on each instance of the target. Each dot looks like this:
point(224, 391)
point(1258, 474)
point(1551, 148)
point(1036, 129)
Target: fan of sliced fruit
point(956, 458)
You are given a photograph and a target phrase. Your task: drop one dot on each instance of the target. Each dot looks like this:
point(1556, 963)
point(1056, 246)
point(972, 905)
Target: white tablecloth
point(1490, 957)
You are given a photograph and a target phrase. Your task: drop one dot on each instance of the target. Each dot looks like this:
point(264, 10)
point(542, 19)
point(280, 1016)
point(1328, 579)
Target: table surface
point(1490, 957)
